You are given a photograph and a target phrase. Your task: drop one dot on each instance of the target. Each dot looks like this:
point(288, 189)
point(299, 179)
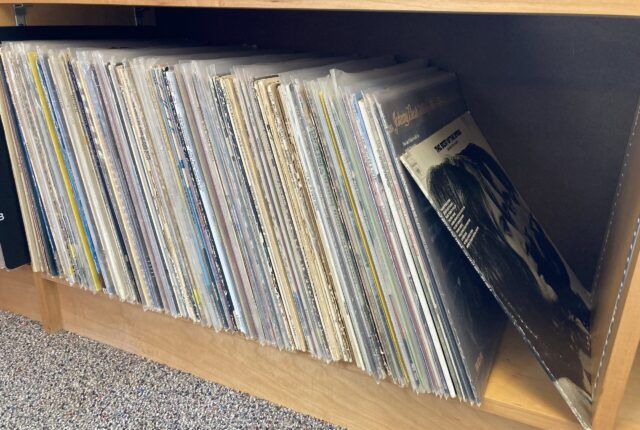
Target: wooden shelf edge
point(518, 394)
point(565, 7)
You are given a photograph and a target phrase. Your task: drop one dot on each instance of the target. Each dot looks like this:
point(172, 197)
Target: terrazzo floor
point(64, 381)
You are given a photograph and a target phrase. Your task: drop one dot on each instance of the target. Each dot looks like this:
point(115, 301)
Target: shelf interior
point(576, 75)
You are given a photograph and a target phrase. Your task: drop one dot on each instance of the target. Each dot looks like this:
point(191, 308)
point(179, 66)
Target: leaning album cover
point(459, 174)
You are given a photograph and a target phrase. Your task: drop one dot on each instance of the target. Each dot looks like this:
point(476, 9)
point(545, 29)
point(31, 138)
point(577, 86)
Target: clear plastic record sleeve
point(411, 302)
point(319, 309)
point(264, 192)
point(314, 180)
point(469, 317)
point(205, 130)
point(403, 311)
point(84, 161)
point(227, 129)
point(321, 134)
point(46, 158)
point(449, 159)
point(298, 236)
point(171, 84)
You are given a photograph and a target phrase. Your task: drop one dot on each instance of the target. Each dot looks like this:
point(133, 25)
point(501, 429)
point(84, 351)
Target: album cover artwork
point(470, 319)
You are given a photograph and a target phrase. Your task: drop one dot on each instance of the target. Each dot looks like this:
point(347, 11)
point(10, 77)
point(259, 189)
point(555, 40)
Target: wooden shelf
point(629, 415)
point(518, 395)
point(571, 7)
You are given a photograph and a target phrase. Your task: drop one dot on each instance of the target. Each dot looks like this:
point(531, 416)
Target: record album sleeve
point(452, 163)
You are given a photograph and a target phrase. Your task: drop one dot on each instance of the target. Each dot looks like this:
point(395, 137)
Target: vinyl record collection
point(248, 190)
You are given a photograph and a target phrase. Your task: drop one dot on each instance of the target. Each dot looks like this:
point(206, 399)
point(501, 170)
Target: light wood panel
point(615, 331)
point(48, 303)
point(629, 416)
point(519, 389)
point(575, 7)
point(337, 392)
point(18, 292)
point(52, 14)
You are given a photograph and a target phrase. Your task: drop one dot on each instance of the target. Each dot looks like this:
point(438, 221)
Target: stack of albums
point(298, 199)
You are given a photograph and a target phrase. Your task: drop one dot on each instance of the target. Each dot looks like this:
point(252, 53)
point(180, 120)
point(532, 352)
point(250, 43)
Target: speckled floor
point(65, 381)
